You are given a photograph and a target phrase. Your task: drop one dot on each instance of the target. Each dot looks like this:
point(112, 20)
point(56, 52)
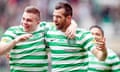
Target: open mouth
point(26, 27)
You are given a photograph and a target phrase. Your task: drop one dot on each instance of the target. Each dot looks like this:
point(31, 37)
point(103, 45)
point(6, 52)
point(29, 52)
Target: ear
point(69, 17)
point(104, 39)
point(38, 22)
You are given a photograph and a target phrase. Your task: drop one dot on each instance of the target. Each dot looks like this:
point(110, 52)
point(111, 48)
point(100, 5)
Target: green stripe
point(83, 36)
point(66, 52)
point(80, 70)
point(95, 70)
point(116, 63)
point(29, 51)
point(70, 65)
point(30, 64)
point(29, 45)
point(5, 35)
point(30, 57)
point(112, 57)
point(99, 63)
point(91, 46)
point(117, 70)
point(87, 42)
point(56, 36)
point(63, 44)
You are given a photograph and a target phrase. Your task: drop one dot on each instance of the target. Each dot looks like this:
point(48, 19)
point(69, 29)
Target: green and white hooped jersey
point(28, 56)
point(111, 64)
point(69, 55)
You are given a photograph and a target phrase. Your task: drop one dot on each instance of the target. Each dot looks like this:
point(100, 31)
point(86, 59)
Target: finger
point(100, 48)
point(71, 35)
point(26, 36)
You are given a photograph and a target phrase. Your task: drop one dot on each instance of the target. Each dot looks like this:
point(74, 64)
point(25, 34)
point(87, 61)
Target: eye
point(29, 20)
point(23, 18)
point(98, 34)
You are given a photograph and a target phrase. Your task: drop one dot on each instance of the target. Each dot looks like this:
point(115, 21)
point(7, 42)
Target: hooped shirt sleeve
point(89, 41)
point(8, 36)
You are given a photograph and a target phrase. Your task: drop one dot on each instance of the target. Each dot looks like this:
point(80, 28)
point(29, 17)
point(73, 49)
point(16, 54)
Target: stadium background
point(105, 13)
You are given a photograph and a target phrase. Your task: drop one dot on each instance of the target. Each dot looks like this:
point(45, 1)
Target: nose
point(24, 22)
point(55, 19)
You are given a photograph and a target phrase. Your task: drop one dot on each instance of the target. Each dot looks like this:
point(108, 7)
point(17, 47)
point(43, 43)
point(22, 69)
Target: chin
point(26, 30)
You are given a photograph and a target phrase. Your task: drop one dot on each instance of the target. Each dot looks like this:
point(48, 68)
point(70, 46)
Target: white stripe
point(109, 61)
point(25, 49)
point(69, 61)
point(63, 47)
point(68, 68)
point(30, 42)
point(56, 33)
point(99, 66)
point(79, 67)
point(68, 55)
point(29, 61)
point(10, 33)
point(116, 67)
point(65, 40)
point(31, 69)
point(35, 54)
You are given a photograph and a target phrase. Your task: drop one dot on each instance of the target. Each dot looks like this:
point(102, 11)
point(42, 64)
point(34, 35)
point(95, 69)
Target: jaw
point(27, 29)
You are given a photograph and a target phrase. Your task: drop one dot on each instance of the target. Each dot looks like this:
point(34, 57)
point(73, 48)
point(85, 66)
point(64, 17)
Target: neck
point(65, 27)
point(31, 30)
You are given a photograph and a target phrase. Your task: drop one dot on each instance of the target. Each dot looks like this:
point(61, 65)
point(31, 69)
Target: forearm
point(5, 48)
point(101, 55)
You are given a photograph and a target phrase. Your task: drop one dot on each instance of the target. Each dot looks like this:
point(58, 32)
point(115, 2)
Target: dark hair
point(32, 9)
point(66, 6)
point(96, 26)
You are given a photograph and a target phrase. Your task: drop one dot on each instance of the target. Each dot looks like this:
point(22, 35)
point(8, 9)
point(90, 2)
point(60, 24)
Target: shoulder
point(14, 28)
point(83, 32)
point(111, 52)
point(10, 33)
point(43, 23)
point(48, 25)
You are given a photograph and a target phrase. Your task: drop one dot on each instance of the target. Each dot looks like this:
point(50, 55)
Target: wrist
point(15, 41)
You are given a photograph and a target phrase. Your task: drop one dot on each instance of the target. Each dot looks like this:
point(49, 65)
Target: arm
point(100, 51)
point(71, 30)
point(6, 47)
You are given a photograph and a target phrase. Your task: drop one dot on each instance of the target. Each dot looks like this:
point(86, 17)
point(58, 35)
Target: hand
point(71, 30)
point(70, 33)
point(101, 44)
point(23, 38)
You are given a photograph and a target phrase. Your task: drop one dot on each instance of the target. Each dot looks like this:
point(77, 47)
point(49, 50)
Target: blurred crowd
point(105, 13)
point(86, 12)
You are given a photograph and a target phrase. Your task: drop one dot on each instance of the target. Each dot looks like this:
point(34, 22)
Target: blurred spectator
point(112, 62)
point(85, 14)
